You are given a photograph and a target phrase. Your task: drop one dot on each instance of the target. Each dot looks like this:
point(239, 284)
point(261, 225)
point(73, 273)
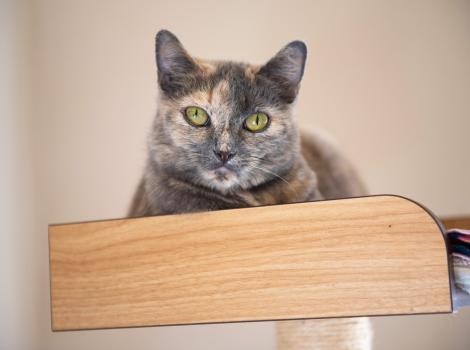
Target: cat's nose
point(224, 156)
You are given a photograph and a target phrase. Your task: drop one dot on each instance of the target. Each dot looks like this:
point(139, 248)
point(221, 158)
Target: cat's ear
point(173, 62)
point(286, 69)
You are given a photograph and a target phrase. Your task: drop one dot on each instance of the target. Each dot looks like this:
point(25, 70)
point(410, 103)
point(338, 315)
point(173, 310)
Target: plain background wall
point(21, 234)
point(389, 79)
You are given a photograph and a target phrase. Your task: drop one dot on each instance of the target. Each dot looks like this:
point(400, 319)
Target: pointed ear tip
point(165, 35)
point(299, 45)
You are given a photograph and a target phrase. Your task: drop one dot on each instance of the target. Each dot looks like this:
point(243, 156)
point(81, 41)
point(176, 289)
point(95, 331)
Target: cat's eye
point(196, 116)
point(257, 122)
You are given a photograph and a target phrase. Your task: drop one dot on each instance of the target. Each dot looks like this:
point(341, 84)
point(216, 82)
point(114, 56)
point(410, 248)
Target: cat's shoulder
point(319, 143)
point(337, 178)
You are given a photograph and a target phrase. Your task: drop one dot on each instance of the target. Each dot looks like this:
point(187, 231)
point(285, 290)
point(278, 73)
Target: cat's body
point(225, 137)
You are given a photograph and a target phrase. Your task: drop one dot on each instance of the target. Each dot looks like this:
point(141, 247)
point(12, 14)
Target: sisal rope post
point(325, 334)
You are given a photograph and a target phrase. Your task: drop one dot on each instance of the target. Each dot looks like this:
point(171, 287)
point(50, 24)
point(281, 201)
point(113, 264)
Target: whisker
point(269, 172)
point(259, 158)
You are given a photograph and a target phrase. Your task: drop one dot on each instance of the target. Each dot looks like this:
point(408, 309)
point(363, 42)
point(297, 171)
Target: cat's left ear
point(286, 69)
point(174, 63)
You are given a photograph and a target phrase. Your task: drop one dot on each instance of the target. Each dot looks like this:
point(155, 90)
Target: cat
point(225, 136)
point(221, 163)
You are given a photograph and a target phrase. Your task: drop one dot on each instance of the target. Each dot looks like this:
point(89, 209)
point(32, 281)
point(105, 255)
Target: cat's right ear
point(173, 62)
point(286, 69)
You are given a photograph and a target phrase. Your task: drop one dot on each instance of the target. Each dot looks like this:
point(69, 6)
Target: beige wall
point(389, 79)
point(20, 231)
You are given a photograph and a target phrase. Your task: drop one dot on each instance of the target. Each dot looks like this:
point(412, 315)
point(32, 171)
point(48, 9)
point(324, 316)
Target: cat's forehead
point(228, 70)
point(229, 87)
point(215, 100)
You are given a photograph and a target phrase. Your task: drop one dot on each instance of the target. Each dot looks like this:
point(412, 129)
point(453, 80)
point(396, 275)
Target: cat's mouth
point(223, 178)
point(223, 173)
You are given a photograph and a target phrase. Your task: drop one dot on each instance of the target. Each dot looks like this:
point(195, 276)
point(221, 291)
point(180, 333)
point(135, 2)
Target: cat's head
point(225, 125)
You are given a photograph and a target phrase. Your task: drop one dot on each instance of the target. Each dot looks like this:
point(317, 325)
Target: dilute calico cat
point(225, 136)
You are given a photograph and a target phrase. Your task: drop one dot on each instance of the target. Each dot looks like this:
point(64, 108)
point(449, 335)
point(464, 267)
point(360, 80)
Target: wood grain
point(362, 256)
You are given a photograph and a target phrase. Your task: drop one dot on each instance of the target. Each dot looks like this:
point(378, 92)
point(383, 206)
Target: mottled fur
point(274, 166)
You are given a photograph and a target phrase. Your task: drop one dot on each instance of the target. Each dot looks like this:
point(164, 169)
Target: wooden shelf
point(378, 255)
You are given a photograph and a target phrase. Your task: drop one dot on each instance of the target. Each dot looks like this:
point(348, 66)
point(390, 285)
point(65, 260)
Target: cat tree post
point(325, 334)
point(340, 258)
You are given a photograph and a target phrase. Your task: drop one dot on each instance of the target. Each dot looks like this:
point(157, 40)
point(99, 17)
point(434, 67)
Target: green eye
point(196, 116)
point(257, 122)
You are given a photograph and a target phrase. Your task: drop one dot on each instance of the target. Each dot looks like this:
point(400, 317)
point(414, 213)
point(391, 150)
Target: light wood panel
point(362, 256)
